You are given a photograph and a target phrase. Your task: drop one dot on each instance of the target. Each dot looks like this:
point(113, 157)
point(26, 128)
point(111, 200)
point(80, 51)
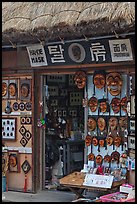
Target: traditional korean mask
point(116, 105)
point(101, 123)
point(114, 83)
point(91, 123)
point(12, 89)
point(123, 123)
point(124, 104)
point(95, 141)
point(109, 140)
point(113, 122)
point(88, 140)
point(99, 159)
point(4, 88)
point(12, 161)
point(25, 89)
point(117, 141)
point(80, 79)
point(93, 104)
point(91, 157)
point(99, 80)
point(115, 156)
point(107, 158)
point(101, 143)
point(103, 105)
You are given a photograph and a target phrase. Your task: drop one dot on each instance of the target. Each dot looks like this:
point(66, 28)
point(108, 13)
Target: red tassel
point(25, 184)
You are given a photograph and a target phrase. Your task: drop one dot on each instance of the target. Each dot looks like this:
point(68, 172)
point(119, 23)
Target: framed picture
point(131, 141)
point(9, 128)
point(13, 161)
point(132, 126)
point(132, 108)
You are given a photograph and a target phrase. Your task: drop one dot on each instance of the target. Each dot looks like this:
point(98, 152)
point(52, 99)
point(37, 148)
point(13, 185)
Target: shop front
point(68, 106)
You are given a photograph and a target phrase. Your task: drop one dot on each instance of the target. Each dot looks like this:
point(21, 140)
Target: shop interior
point(64, 126)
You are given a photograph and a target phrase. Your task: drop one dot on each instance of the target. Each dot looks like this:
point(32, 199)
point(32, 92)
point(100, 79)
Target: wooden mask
point(80, 79)
point(115, 104)
point(91, 157)
point(93, 104)
point(124, 104)
point(88, 140)
point(4, 89)
point(12, 89)
point(101, 123)
point(109, 140)
point(117, 141)
point(123, 123)
point(99, 80)
point(99, 159)
point(113, 122)
point(114, 83)
point(91, 123)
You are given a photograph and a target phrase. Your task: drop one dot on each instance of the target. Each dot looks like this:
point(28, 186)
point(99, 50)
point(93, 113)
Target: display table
point(74, 182)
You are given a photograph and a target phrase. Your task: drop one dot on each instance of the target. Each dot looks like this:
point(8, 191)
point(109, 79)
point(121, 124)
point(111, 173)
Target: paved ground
point(42, 196)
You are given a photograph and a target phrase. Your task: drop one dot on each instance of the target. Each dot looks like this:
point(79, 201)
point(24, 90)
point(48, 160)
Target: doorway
point(63, 113)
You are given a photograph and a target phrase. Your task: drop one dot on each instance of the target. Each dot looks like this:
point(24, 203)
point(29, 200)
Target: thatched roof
point(28, 22)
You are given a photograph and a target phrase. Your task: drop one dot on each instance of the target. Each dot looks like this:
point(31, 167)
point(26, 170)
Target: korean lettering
point(120, 50)
point(97, 51)
point(56, 52)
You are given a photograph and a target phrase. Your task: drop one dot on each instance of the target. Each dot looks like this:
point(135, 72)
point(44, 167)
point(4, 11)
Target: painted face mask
point(114, 83)
point(99, 80)
point(113, 122)
point(101, 123)
point(80, 79)
point(115, 104)
point(93, 104)
point(91, 123)
point(123, 123)
point(103, 105)
point(124, 104)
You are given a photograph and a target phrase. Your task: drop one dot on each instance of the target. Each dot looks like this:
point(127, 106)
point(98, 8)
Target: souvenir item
point(124, 104)
point(115, 156)
point(22, 106)
point(26, 120)
point(101, 123)
point(101, 143)
point(8, 109)
point(28, 106)
point(116, 104)
point(109, 140)
point(9, 128)
point(25, 89)
point(123, 123)
point(13, 161)
point(91, 123)
point(80, 79)
point(27, 135)
point(22, 130)
point(100, 170)
point(94, 141)
point(93, 103)
point(117, 141)
point(23, 141)
point(107, 158)
point(103, 105)
point(26, 166)
point(123, 159)
point(88, 140)
point(15, 106)
point(113, 123)
point(114, 83)
point(91, 157)
point(4, 89)
point(99, 79)
point(99, 159)
point(12, 89)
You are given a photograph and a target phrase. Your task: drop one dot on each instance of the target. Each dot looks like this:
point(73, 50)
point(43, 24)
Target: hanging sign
point(37, 55)
point(120, 50)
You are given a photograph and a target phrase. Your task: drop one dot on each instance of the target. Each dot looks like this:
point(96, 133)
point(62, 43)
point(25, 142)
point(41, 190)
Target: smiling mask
point(114, 83)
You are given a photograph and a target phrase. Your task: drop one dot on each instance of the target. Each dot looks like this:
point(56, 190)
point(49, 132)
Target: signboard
point(37, 56)
point(120, 50)
point(99, 51)
point(95, 180)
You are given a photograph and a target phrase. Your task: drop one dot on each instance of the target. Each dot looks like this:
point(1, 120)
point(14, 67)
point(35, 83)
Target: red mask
point(115, 104)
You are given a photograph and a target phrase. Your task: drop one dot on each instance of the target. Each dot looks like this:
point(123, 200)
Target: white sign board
point(120, 50)
point(95, 180)
point(37, 55)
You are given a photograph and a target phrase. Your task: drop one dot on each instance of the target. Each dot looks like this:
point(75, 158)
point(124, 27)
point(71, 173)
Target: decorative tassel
point(25, 184)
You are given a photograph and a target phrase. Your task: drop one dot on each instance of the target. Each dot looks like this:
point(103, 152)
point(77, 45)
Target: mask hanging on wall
point(99, 79)
point(124, 104)
point(116, 105)
point(93, 104)
point(114, 83)
point(80, 79)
